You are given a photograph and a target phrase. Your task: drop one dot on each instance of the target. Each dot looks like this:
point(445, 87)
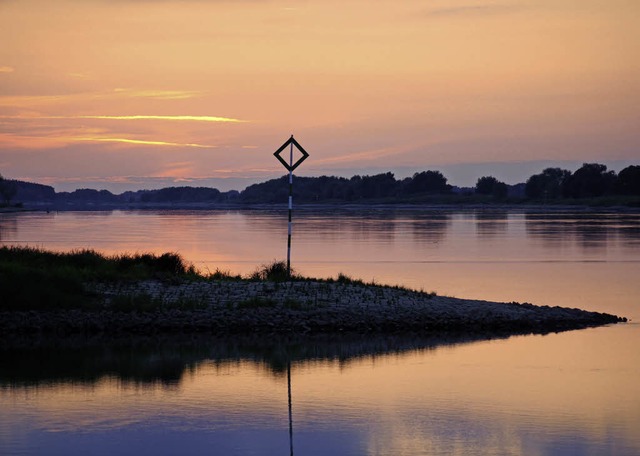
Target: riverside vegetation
point(85, 292)
point(590, 185)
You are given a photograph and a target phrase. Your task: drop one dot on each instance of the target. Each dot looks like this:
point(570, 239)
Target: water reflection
point(491, 223)
point(528, 395)
point(569, 393)
point(364, 227)
point(591, 231)
point(148, 362)
point(8, 227)
point(151, 361)
point(429, 227)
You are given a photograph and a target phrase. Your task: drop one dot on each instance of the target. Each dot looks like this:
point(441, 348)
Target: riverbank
point(298, 307)
point(617, 204)
point(86, 292)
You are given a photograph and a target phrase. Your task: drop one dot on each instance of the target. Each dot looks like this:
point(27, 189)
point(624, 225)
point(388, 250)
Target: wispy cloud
point(143, 142)
point(362, 155)
point(6, 69)
point(474, 10)
point(158, 94)
point(25, 101)
point(180, 171)
point(179, 118)
point(81, 76)
point(134, 117)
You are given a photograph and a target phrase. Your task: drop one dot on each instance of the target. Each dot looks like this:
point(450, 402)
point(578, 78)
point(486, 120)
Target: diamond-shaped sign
point(291, 167)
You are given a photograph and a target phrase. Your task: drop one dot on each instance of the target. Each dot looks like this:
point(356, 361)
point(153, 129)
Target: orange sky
point(137, 94)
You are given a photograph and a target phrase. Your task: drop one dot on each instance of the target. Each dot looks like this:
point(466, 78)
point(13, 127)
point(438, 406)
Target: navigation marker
point(290, 166)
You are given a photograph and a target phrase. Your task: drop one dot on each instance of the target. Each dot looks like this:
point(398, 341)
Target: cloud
point(178, 118)
point(179, 171)
point(474, 10)
point(6, 69)
point(24, 101)
point(159, 94)
point(143, 142)
point(135, 117)
point(81, 76)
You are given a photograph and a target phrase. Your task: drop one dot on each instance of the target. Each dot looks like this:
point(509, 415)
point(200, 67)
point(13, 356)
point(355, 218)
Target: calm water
point(570, 393)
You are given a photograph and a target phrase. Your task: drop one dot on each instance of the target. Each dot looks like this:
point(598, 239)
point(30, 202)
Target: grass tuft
point(274, 272)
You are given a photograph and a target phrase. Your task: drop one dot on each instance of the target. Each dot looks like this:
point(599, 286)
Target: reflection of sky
point(524, 395)
point(575, 392)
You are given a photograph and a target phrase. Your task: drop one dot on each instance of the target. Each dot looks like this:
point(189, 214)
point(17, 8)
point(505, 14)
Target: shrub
point(274, 272)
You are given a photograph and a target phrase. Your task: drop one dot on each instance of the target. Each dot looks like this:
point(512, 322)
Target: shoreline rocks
point(299, 307)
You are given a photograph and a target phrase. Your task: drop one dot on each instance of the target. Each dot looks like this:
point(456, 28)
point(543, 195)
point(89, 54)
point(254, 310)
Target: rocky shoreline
point(230, 307)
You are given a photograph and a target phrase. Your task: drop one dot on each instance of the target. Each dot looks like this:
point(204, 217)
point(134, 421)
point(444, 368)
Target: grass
point(274, 272)
point(33, 278)
point(37, 279)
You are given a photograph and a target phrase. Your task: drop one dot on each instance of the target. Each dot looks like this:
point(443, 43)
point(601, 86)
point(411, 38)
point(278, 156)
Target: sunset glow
point(142, 142)
point(190, 118)
point(365, 87)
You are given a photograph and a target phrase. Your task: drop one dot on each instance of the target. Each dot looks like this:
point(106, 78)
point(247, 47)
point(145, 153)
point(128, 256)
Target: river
point(575, 392)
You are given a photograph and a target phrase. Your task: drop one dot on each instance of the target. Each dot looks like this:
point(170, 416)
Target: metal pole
point(290, 411)
point(290, 167)
point(290, 209)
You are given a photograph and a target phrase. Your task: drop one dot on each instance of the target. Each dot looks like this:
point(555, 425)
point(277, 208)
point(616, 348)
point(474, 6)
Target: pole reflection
point(290, 409)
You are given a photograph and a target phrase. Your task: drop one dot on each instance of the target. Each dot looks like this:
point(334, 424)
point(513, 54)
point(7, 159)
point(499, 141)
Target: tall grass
point(274, 272)
point(32, 278)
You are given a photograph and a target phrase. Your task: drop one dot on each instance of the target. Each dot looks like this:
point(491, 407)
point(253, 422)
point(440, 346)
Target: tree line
point(8, 190)
point(592, 180)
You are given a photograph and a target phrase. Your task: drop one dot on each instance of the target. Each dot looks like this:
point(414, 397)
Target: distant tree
point(87, 195)
point(500, 190)
point(628, 182)
point(489, 185)
point(376, 186)
point(271, 191)
point(591, 180)
point(427, 182)
point(484, 185)
point(8, 190)
point(185, 194)
point(547, 184)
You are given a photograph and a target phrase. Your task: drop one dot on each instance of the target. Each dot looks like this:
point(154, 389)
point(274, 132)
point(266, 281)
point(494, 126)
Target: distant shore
point(308, 207)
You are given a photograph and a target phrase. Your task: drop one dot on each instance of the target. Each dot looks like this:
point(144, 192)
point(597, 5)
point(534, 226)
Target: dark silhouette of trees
point(591, 180)
point(87, 195)
point(8, 190)
point(628, 182)
point(427, 182)
point(181, 195)
point(489, 185)
point(484, 185)
point(357, 188)
point(376, 186)
point(548, 184)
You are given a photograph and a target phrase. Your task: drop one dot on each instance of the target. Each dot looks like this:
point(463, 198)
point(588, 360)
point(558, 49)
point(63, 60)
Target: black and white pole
point(290, 166)
point(289, 226)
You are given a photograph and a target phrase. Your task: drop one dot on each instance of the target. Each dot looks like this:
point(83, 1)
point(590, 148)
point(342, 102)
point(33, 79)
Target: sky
point(125, 95)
